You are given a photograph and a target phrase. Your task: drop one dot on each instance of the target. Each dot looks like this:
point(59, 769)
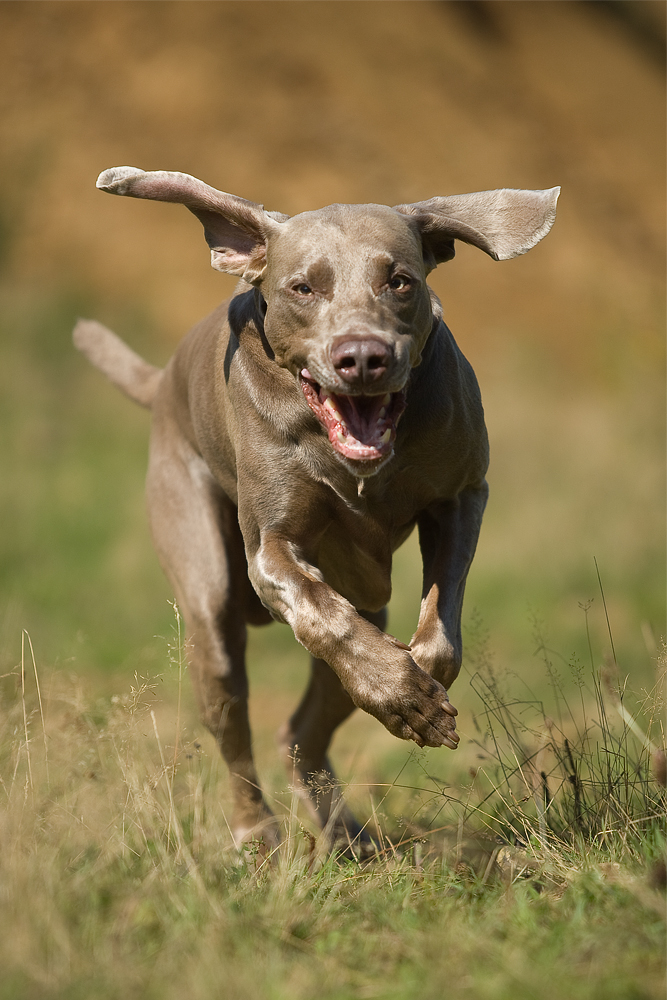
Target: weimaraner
point(299, 434)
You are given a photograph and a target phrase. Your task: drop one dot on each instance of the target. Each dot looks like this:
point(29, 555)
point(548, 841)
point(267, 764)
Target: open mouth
point(359, 427)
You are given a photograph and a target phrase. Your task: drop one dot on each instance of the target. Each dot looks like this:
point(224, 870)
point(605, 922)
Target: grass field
point(539, 871)
point(527, 864)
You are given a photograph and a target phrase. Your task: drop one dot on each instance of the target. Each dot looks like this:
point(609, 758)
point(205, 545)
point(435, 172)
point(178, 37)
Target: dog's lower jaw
point(363, 470)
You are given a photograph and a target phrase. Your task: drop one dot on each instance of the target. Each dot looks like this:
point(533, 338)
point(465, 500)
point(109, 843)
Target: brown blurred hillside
point(299, 104)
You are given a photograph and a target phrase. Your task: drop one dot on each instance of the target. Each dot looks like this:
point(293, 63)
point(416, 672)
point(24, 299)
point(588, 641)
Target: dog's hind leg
point(305, 740)
point(196, 534)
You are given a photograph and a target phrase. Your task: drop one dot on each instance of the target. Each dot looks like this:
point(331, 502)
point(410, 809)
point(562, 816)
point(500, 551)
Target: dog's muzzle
point(359, 427)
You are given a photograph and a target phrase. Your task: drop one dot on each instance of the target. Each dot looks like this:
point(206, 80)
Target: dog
point(299, 434)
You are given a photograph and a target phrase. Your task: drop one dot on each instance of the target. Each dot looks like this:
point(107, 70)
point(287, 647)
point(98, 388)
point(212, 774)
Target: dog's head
point(347, 308)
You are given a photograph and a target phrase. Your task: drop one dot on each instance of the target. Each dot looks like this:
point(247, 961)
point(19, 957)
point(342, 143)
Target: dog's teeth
point(340, 437)
point(328, 402)
point(383, 413)
point(386, 436)
point(386, 400)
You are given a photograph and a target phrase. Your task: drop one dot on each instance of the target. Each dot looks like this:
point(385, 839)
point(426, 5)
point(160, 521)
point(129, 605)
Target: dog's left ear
point(503, 223)
point(236, 230)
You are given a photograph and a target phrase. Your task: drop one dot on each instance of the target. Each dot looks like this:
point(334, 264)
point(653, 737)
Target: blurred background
point(297, 105)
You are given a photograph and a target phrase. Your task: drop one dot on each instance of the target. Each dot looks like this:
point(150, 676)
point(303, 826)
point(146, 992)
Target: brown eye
point(399, 283)
point(302, 289)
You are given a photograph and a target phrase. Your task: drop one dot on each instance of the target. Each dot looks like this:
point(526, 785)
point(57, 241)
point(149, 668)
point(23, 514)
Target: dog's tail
point(134, 376)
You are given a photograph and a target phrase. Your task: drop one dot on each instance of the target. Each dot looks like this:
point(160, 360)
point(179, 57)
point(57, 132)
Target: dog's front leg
point(381, 677)
point(448, 535)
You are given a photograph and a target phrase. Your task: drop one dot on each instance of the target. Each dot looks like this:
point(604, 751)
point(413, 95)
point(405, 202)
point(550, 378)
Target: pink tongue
point(361, 423)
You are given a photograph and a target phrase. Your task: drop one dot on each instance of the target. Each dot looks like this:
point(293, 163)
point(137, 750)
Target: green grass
point(118, 877)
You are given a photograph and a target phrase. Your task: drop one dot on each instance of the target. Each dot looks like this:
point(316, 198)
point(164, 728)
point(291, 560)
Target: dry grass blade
point(25, 713)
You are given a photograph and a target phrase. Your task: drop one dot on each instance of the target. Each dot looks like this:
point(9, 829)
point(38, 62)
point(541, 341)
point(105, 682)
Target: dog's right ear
point(236, 230)
point(503, 223)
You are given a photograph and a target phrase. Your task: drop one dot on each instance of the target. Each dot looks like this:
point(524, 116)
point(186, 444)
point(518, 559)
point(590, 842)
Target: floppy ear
point(236, 230)
point(503, 223)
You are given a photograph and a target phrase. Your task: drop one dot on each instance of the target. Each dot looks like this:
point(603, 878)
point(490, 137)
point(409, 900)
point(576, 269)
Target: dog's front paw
point(437, 657)
point(410, 704)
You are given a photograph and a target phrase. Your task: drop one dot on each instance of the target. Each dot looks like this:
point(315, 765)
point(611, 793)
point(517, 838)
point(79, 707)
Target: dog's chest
point(355, 554)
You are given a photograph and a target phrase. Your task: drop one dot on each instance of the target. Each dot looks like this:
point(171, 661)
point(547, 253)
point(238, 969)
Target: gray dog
point(299, 434)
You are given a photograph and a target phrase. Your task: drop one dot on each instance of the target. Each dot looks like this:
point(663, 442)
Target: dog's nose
point(362, 361)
